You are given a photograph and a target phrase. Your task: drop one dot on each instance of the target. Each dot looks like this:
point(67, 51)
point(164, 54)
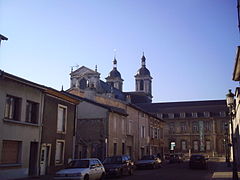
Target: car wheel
point(86, 177)
point(102, 176)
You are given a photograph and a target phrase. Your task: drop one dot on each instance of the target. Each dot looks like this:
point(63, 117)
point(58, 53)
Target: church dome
point(114, 73)
point(143, 71)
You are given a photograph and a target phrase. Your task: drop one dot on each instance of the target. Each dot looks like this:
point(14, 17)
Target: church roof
point(143, 71)
point(186, 106)
point(114, 74)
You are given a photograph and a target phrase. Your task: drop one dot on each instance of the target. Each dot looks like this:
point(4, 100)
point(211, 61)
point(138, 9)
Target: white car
point(83, 169)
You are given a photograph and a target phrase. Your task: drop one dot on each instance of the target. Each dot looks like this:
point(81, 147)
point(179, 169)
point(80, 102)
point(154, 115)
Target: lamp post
point(230, 104)
point(227, 144)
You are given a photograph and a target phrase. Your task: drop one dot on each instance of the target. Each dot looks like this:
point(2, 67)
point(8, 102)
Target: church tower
point(114, 77)
point(143, 79)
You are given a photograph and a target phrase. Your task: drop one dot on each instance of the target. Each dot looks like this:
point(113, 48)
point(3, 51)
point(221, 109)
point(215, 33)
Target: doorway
point(45, 158)
point(33, 159)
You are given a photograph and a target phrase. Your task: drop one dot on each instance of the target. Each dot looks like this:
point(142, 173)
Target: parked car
point(176, 158)
point(149, 161)
point(83, 169)
point(198, 161)
point(118, 165)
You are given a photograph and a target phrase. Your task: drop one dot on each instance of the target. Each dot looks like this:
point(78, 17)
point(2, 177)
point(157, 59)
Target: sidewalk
point(222, 172)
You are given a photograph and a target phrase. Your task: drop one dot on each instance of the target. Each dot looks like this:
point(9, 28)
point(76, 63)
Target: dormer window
point(206, 114)
point(222, 114)
point(171, 115)
point(160, 115)
point(182, 115)
point(194, 115)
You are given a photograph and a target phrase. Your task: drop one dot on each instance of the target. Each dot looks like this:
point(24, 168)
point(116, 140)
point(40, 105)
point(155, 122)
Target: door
point(44, 159)
point(33, 159)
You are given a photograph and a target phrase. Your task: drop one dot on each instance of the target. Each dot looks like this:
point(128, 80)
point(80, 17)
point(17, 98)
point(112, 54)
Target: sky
point(189, 45)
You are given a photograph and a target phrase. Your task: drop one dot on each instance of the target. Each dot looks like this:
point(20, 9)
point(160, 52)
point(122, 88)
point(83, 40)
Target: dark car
point(198, 161)
point(149, 161)
point(118, 165)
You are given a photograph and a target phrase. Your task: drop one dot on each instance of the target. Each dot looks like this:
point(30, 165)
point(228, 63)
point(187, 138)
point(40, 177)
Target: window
point(158, 133)
point(206, 114)
point(62, 118)
point(155, 133)
point(114, 123)
point(83, 83)
point(171, 115)
point(194, 114)
point(123, 126)
point(12, 108)
point(11, 152)
point(32, 112)
point(114, 149)
point(208, 145)
point(160, 115)
point(171, 127)
point(183, 127)
point(143, 131)
point(184, 145)
point(161, 132)
point(141, 85)
point(222, 114)
point(123, 148)
point(207, 126)
point(59, 156)
point(195, 126)
point(151, 132)
point(182, 115)
point(195, 145)
point(130, 127)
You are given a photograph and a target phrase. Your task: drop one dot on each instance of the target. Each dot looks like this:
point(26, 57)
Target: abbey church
point(85, 78)
point(189, 126)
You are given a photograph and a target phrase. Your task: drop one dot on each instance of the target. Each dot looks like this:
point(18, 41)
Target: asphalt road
point(167, 172)
point(172, 172)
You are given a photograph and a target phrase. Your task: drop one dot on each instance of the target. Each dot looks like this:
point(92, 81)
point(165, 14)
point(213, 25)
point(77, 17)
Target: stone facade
point(193, 127)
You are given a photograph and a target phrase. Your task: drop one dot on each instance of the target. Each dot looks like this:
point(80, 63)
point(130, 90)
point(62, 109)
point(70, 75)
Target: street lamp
point(227, 144)
point(230, 104)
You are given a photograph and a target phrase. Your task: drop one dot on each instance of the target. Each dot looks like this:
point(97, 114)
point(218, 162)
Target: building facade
point(21, 109)
point(58, 131)
point(194, 126)
point(236, 113)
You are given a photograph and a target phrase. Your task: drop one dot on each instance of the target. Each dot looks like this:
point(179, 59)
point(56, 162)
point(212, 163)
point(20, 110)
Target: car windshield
point(147, 157)
point(197, 157)
point(111, 160)
point(78, 164)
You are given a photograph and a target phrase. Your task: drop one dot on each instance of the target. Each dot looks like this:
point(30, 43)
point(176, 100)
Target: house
point(58, 131)
point(21, 109)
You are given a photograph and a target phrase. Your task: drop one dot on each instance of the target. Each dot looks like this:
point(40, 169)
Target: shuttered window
point(62, 118)
point(59, 154)
point(11, 152)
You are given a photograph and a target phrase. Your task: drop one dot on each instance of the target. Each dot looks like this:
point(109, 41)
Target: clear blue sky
point(190, 45)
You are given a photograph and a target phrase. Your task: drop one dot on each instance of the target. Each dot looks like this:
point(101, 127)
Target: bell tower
point(114, 77)
point(143, 79)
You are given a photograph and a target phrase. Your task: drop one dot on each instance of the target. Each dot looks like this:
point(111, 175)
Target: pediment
point(83, 71)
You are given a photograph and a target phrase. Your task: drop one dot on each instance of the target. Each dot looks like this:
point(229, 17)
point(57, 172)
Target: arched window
point(83, 83)
point(141, 84)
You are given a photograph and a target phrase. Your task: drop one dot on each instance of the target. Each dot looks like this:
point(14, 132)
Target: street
point(167, 172)
point(172, 172)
